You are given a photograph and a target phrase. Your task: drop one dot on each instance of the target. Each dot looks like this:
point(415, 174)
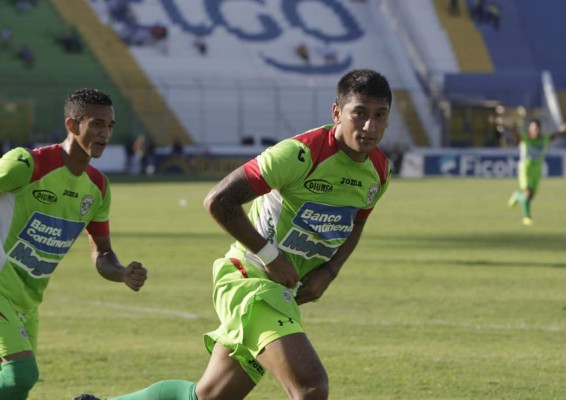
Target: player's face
point(95, 129)
point(534, 130)
point(360, 125)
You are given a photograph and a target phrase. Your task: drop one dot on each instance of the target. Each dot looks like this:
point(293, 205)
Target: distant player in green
point(532, 146)
point(311, 197)
point(47, 197)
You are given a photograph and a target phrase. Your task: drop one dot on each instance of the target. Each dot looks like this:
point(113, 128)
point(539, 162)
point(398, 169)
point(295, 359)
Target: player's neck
point(74, 157)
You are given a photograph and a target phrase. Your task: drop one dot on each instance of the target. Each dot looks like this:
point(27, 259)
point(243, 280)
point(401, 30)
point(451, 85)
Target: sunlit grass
point(447, 297)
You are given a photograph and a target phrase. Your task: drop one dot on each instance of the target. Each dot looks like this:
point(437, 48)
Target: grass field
point(448, 296)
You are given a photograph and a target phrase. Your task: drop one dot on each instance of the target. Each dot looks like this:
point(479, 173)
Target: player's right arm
point(225, 203)
point(16, 169)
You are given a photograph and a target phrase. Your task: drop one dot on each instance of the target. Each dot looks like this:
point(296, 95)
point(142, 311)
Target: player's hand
point(282, 271)
point(314, 284)
point(135, 276)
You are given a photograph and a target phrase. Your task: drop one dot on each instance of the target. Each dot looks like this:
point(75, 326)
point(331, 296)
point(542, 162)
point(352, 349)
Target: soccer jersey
point(533, 150)
point(43, 209)
point(312, 192)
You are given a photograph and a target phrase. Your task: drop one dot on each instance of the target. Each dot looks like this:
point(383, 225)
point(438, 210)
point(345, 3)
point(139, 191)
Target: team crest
point(23, 333)
point(287, 295)
point(86, 204)
point(371, 193)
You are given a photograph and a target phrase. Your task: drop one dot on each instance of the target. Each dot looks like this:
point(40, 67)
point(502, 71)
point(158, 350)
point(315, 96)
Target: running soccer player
point(47, 197)
point(311, 197)
point(532, 151)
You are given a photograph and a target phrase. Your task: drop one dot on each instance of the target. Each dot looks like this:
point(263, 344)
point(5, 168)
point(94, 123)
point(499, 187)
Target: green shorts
point(253, 311)
point(15, 335)
point(529, 175)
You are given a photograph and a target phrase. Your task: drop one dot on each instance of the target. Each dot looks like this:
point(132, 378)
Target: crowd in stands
point(486, 13)
point(24, 5)
point(480, 11)
point(70, 40)
point(327, 52)
point(121, 16)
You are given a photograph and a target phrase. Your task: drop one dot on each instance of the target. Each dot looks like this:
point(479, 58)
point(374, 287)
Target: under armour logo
point(283, 322)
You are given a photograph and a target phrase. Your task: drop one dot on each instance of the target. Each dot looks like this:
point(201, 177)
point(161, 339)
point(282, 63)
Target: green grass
point(447, 297)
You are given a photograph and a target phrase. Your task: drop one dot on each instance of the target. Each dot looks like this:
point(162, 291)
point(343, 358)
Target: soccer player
point(311, 197)
point(47, 197)
point(532, 149)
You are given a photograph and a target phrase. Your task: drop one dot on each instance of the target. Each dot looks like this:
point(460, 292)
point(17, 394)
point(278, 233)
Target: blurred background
point(201, 86)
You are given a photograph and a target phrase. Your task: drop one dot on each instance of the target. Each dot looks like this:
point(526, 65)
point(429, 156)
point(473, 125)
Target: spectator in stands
point(26, 55)
point(200, 44)
point(478, 10)
point(129, 151)
point(6, 38)
point(120, 11)
point(454, 7)
point(303, 52)
point(23, 5)
point(70, 40)
point(494, 15)
point(533, 145)
point(329, 53)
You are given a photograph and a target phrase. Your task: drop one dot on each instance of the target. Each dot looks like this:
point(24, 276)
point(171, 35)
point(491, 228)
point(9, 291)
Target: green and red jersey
point(43, 209)
point(311, 192)
point(533, 149)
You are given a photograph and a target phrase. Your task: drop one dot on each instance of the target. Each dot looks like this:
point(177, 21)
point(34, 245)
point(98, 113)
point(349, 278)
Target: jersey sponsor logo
point(45, 196)
point(318, 186)
point(328, 222)
point(25, 257)
point(372, 192)
point(49, 234)
point(301, 243)
point(86, 203)
point(351, 182)
point(70, 193)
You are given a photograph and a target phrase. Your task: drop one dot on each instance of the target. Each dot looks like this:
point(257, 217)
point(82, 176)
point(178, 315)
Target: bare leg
point(224, 378)
point(293, 361)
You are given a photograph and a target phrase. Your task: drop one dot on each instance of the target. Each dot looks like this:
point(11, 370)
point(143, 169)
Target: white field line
point(134, 309)
point(443, 323)
point(385, 323)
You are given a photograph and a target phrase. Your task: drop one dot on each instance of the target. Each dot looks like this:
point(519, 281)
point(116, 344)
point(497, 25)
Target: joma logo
point(351, 182)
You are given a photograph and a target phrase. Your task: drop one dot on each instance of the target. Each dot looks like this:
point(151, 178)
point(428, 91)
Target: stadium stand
point(31, 98)
point(448, 71)
point(162, 124)
point(251, 82)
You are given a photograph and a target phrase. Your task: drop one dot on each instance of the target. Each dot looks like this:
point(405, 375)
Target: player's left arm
point(109, 267)
point(315, 283)
point(561, 131)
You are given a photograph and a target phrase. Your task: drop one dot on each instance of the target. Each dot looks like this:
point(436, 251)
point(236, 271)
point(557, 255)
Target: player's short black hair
point(75, 105)
point(536, 121)
point(364, 82)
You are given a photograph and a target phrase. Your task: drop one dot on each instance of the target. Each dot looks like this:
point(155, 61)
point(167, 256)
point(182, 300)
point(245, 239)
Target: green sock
point(164, 390)
point(525, 204)
point(17, 377)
